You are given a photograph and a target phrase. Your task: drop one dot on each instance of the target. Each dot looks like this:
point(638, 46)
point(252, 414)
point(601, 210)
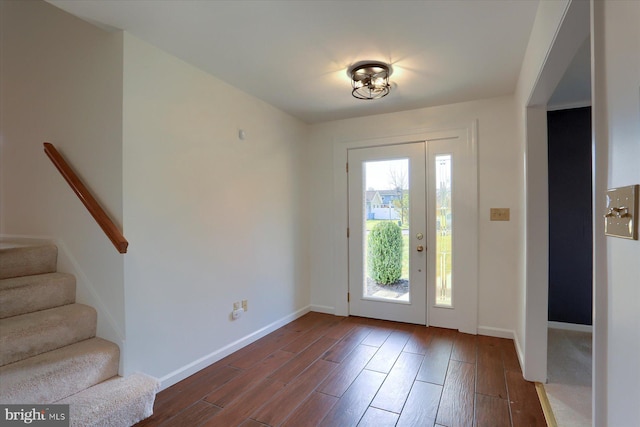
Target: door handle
point(420, 248)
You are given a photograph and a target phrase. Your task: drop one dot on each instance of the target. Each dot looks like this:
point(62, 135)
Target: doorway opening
point(436, 222)
point(569, 341)
point(572, 33)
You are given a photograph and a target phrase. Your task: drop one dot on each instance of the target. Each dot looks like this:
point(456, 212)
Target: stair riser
point(26, 261)
point(35, 333)
point(58, 374)
point(116, 402)
point(29, 294)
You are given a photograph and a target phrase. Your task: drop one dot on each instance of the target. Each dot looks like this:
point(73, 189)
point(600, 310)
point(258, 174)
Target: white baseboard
point(504, 333)
point(570, 326)
point(519, 351)
point(496, 332)
point(197, 365)
point(322, 309)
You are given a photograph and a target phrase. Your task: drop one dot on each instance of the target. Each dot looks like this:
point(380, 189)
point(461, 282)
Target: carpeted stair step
point(31, 334)
point(26, 294)
point(48, 349)
point(117, 402)
point(60, 373)
point(23, 260)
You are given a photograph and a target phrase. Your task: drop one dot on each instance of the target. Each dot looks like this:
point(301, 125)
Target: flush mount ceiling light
point(370, 79)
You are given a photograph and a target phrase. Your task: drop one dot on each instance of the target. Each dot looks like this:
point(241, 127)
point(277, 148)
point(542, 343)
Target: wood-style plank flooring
point(323, 370)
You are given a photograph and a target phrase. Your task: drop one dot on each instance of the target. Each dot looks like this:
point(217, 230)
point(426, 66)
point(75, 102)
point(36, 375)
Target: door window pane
point(443, 231)
point(386, 230)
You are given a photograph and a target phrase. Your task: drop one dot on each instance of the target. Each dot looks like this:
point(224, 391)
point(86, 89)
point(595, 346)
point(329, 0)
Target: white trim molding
point(322, 309)
point(340, 215)
point(504, 333)
point(201, 363)
point(496, 332)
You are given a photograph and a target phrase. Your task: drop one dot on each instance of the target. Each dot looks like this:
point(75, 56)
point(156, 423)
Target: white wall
point(499, 166)
point(212, 219)
point(61, 83)
point(617, 139)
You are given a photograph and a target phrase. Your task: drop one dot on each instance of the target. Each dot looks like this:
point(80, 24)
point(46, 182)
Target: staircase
point(49, 352)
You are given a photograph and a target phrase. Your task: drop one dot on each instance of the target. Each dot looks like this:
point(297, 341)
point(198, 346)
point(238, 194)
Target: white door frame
point(570, 35)
point(340, 214)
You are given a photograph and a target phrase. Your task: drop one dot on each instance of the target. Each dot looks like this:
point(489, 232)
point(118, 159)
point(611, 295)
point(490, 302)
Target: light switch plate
point(500, 214)
point(621, 216)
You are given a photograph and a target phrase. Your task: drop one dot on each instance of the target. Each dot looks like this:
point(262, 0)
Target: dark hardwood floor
point(324, 370)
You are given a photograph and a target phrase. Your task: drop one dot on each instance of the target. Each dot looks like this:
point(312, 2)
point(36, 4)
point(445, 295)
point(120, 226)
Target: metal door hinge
point(347, 167)
point(347, 232)
point(348, 297)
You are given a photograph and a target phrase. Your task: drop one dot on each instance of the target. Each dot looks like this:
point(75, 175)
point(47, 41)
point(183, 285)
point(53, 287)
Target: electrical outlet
point(499, 214)
point(244, 304)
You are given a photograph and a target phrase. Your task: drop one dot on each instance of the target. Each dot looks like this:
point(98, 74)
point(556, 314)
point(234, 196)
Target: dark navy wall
point(570, 218)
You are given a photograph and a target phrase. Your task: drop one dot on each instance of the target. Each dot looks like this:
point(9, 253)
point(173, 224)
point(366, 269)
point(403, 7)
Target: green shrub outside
point(385, 253)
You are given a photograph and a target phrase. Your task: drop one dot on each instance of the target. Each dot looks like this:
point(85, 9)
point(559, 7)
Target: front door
point(387, 232)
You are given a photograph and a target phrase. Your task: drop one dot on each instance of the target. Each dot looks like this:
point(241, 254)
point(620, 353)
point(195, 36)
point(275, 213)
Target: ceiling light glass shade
point(370, 80)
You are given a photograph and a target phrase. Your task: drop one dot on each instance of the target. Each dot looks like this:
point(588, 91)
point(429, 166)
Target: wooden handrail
point(89, 201)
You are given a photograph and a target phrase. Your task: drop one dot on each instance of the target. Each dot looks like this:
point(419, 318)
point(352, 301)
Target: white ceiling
point(294, 54)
